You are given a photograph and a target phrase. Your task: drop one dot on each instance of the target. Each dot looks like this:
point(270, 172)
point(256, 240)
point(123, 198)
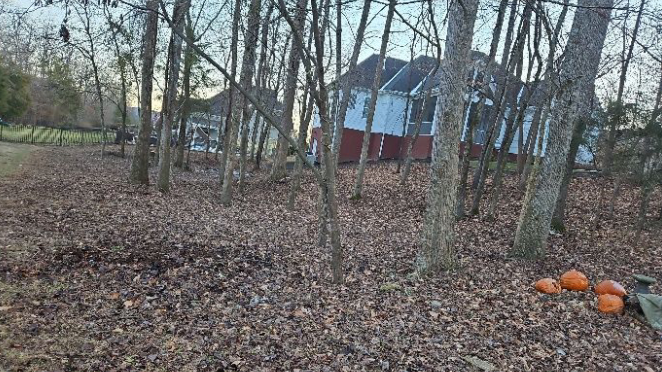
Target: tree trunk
point(243, 148)
point(477, 116)
point(558, 218)
point(496, 120)
point(611, 139)
point(228, 146)
point(527, 150)
point(437, 247)
point(406, 169)
point(582, 56)
point(347, 87)
point(512, 17)
point(260, 77)
point(278, 169)
point(358, 185)
point(298, 165)
point(140, 162)
point(179, 13)
point(266, 128)
point(246, 79)
point(186, 101)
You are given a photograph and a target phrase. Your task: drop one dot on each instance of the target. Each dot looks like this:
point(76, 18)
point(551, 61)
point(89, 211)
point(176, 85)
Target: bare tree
point(347, 86)
point(90, 52)
point(185, 97)
point(582, 57)
point(559, 210)
point(542, 112)
point(122, 62)
point(484, 92)
point(613, 122)
point(260, 77)
point(376, 84)
point(438, 243)
point(228, 146)
point(243, 112)
point(278, 170)
point(427, 96)
point(496, 118)
point(140, 161)
point(517, 107)
point(169, 111)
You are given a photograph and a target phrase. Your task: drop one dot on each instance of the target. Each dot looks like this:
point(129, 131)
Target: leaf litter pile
point(100, 275)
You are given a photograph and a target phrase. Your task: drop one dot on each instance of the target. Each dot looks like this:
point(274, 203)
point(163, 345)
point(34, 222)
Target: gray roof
point(364, 73)
point(268, 98)
point(479, 59)
point(411, 75)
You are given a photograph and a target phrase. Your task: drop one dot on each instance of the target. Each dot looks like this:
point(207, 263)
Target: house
point(398, 105)
point(209, 117)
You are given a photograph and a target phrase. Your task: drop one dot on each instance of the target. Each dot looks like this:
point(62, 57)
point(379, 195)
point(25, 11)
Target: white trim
point(394, 76)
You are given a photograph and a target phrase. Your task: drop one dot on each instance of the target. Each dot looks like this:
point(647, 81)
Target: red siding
point(373, 147)
point(422, 147)
point(350, 150)
point(391, 147)
point(475, 149)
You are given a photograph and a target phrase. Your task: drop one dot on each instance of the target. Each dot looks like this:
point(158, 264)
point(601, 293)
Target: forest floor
point(100, 275)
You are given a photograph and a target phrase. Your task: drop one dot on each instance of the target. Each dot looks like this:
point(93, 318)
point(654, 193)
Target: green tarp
point(652, 306)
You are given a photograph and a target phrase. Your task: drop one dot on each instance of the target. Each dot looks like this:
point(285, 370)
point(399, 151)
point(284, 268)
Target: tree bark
point(496, 120)
point(278, 169)
point(347, 87)
point(179, 13)
point(228, 146)
point(358, 185)
point(406, 169)
point(246, 79)
point(303, 134)
point(530, 146)
point(477, 115)
point(437, 246)
point(140, 162)
point(266, 128)
point(611, 139)
point(582, 56)
point(558, 219)
point(260, 77)
point(186, 100)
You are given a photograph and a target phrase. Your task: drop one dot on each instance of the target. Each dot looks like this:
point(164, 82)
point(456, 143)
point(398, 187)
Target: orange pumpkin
point(610, 287)
point(548, 285)
point(574, 280)
point(610, 304)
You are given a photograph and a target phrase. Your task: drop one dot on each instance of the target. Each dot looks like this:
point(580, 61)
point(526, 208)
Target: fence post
point(1, 128)
point(32, 135)
point(61, 136)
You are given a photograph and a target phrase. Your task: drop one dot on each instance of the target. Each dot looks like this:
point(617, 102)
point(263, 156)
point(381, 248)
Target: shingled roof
point(411, 75)
point(268, 98)
point(364, 74)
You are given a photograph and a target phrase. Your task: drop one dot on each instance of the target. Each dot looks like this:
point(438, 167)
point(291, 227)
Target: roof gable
point(364, 74)
point(411, 75)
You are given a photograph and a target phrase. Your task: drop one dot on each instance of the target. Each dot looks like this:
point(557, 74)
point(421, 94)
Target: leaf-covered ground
point(100, 275)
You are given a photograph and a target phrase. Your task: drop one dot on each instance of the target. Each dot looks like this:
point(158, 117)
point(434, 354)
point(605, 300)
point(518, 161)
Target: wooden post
point(32, 135)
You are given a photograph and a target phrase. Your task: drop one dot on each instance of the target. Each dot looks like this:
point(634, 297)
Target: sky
point(400, 40)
